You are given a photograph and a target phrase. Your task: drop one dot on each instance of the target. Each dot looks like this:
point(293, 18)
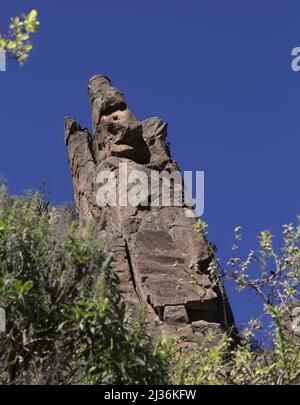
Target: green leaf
point(32, 16)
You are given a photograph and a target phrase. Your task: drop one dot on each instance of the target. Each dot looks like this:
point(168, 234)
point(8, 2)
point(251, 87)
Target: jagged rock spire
point(159, 255)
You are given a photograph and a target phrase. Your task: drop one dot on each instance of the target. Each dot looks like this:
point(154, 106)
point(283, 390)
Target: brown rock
point(155, 247)
point(175, 314)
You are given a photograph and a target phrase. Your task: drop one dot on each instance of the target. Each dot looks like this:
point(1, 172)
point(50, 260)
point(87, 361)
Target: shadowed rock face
point(159, 255)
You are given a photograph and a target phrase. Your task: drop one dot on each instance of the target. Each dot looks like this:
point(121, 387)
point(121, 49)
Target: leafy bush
point(275, 278)
point(66, 322)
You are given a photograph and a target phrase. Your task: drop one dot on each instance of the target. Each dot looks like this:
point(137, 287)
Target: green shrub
point(66, 322)
point(275, 278)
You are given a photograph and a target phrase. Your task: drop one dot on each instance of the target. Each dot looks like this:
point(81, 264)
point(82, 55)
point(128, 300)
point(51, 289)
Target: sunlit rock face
point(159, 255)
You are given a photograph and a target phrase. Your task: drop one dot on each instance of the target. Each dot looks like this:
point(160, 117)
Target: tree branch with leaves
point(17, 41)
point(274, 276)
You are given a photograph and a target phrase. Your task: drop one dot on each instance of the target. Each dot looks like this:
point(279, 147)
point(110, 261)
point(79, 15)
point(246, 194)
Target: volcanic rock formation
point(158, 253)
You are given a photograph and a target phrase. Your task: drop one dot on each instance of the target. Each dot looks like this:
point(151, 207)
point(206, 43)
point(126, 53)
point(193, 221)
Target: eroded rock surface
point(159, 255)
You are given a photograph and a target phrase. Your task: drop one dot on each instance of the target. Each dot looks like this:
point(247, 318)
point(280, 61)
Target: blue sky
point(217, 71)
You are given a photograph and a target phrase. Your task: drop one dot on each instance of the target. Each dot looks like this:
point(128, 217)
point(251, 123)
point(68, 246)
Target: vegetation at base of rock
point(66, 321)
point(218, 364)
point(16, 42)
point(274, 276)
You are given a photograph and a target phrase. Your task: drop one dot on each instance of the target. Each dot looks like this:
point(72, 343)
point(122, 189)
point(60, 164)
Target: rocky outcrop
point(158, 253)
